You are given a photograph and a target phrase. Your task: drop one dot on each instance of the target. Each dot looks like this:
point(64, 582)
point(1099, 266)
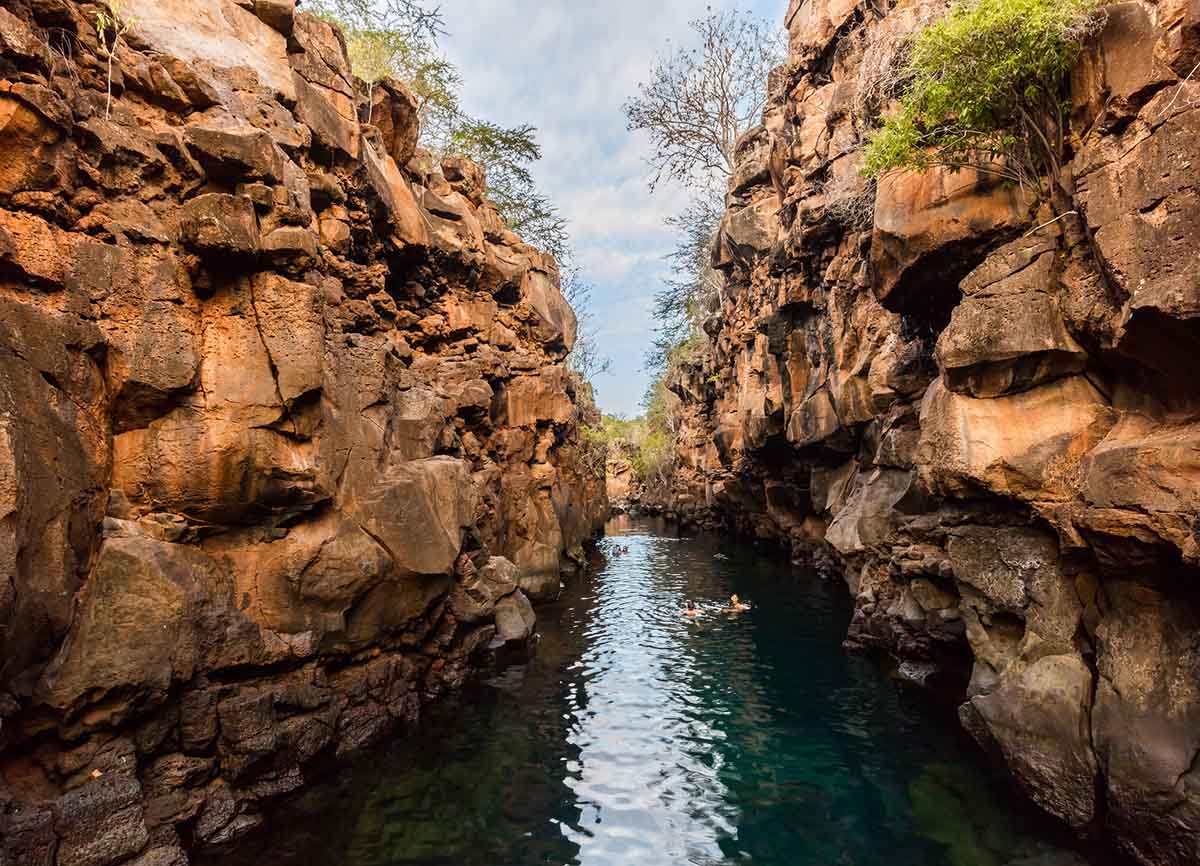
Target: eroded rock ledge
point(286, 438)
point(992, 433)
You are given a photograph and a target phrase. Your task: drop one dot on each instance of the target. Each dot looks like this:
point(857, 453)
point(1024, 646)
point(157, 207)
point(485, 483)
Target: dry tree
point(111, 26)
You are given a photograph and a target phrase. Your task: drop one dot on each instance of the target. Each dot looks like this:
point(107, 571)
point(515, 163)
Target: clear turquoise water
point(638, 736)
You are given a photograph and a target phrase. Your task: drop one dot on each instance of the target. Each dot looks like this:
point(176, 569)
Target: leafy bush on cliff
point(593, 450)
point(986, 87)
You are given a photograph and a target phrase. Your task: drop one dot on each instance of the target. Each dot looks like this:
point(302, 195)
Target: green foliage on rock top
point(398, 39)
point(507, 153)
point(985, 87)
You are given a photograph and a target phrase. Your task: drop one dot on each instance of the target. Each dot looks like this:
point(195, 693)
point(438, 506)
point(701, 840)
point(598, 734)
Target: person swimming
point(691, 609)
point(735, 604)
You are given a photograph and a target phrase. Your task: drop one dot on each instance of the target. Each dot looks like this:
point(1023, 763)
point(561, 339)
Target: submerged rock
point(515, 618)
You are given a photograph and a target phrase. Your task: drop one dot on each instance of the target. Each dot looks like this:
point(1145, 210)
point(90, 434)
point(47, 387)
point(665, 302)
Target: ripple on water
point(640, 736)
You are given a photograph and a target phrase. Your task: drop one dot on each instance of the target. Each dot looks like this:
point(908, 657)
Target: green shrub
point(648, 442)
point(593, 450)
point(985, 87)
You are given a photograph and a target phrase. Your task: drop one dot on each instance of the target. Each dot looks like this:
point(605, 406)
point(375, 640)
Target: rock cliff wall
point(285, 427)
point(992, 431)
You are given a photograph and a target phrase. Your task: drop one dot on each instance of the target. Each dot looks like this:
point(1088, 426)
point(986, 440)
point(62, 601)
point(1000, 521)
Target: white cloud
point(603, 265)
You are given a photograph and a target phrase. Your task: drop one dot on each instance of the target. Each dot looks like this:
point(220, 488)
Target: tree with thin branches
point(699, 101)
point(586, 358)
point(695, 106)
point(694, 290)
point(508, 154)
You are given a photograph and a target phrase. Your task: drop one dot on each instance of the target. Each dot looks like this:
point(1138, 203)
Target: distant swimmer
point(735, 604)
point(691, 609)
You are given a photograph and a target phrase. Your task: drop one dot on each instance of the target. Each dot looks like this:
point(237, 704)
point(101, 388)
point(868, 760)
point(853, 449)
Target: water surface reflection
point(639, 736)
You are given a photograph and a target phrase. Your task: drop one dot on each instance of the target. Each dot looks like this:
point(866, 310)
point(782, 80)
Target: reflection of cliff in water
point(481, 780)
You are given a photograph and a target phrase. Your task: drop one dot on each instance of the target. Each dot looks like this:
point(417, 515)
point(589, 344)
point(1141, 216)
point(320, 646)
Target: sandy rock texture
point(991, 431)
point(285, 425)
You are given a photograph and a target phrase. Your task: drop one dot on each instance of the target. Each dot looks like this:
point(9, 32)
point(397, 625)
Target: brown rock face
point(285, 425)
point(992, 433)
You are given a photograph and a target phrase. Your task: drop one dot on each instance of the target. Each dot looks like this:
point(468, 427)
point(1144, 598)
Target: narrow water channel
point(638, 736)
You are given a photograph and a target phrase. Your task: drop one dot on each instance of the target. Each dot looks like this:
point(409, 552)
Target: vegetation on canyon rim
point(981, 86)
point(647, 443)
point(398, 39)
point(696, 105)
point(984, 87)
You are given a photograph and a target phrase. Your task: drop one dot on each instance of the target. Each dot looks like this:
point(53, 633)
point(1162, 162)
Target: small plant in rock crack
point(111, 26)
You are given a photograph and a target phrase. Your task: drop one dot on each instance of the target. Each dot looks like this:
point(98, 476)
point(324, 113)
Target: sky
point(567, 66)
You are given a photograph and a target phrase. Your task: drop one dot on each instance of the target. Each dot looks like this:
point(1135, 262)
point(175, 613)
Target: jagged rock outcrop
point(630, 488)
point(989, 425)
point(284, 423)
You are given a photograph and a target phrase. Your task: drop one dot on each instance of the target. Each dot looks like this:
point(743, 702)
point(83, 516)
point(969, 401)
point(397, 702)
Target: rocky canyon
point(985, 419)
point(290, 446)
point(287, 442)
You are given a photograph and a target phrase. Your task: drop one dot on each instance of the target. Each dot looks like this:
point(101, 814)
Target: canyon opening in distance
point(330, 532)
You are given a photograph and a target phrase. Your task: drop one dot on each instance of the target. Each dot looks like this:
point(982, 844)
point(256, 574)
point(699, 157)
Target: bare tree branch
point(699, 101)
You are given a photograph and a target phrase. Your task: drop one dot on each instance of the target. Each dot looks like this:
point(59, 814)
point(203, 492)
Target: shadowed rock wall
point(285, 427)
point(991, 431)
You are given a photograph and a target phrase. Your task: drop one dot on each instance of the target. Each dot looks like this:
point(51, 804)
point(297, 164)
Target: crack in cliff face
point(1100, 787)
point(382, 544)
point(284, 405)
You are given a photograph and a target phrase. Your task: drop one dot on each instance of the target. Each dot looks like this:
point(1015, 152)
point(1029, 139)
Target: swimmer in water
point(735, 604)
point(691, 609)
